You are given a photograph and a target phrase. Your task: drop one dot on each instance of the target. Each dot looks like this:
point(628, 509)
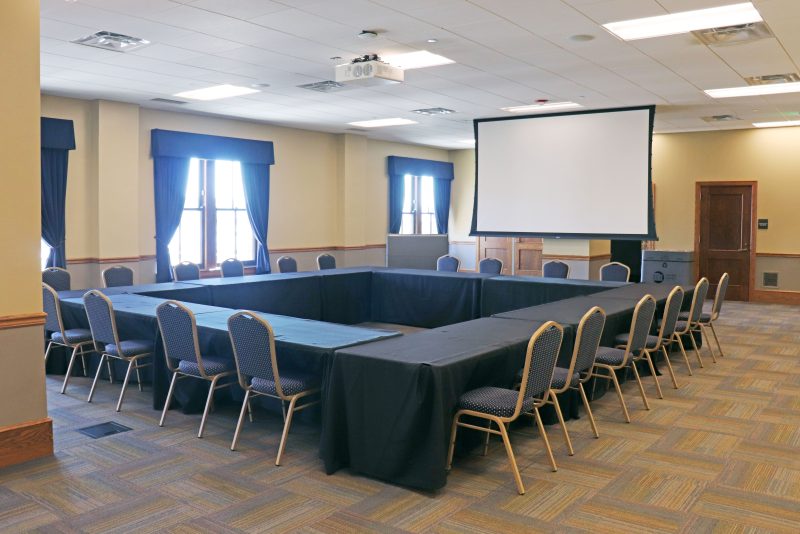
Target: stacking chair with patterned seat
point(614, 359)
point(587, 340)
point(178, 329)
point(490, 266)
point(186, 270)
point(708, 319)
point(77, 339)
point(257, 366)
point(555, 269)
point(691, 321)
point(448, 264)
point(103, 324)
point(231, 267)
point(503, 406)
point(615, 272)
point(325, 262)
point(287, 264)
point(117, 276)
point(57, 278)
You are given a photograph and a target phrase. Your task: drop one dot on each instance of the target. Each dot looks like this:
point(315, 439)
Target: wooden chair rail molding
point(26, 441)
point(19, 321)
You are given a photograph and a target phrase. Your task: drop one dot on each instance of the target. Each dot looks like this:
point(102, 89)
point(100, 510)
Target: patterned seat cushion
point(680, 326)
point(291, 384)
point(131, 347)
point(609, 356)
point(704, 317)
point(212, 367)
point(494, 401)
point(622, 339)
point(560, 376)
point(76, 335)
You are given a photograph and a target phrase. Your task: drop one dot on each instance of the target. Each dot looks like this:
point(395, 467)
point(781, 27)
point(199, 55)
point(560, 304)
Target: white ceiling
point(507, 53)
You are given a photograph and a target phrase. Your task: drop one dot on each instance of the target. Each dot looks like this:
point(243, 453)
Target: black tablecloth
point(634, 292)
point(182, 291)
point(389, 405)
point(346, 295)
point(426, 299)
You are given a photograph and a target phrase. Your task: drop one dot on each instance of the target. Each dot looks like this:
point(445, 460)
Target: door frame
point(753, 226)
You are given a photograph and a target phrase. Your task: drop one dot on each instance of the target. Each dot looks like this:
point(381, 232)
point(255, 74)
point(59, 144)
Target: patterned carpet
point(721, 454)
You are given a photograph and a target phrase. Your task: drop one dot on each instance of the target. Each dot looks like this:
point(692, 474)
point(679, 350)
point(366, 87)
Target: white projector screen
point(581, 174)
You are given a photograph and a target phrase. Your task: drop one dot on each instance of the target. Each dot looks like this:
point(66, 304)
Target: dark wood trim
point(325, 249)
point(128, 259)
point(777, 255)
point(576, 257)
point(775, 297)
point(753, 226)
point(26, 441)
point(23, 320)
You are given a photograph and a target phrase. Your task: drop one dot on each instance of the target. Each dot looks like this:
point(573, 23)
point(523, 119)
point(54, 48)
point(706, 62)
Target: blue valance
point(399, 166)
point(57, 133)
point(168, 143)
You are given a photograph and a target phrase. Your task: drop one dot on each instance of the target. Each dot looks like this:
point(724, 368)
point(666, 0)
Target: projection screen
point(582, 174)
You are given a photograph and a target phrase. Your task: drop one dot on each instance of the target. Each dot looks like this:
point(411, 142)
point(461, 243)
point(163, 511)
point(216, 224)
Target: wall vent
point(770, 280)
point(729, 35)
point(168, 101)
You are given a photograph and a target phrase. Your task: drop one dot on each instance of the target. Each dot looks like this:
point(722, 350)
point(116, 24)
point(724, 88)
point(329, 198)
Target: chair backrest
point(57, 278)
point(615, 272)
point(186, 270)
point(640, 326)
point(287, 264)
point(52, 308)
point(231, 267)
point(178, 330)
point(719, 298)
point(540, 362)
point(118, 275)
point(587, 339)
point(102, 322)
point(326, 261)
point(253, 348)
point(448, 264)
point(699, 297)
point(672, 309)
point(555, 269)
point(490, 266)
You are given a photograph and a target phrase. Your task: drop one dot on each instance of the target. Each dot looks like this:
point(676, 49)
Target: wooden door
point(495, 247)
point(528, 252)
point(725, 236)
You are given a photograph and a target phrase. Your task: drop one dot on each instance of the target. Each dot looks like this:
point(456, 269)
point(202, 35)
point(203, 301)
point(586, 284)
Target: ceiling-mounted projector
point(368, 70)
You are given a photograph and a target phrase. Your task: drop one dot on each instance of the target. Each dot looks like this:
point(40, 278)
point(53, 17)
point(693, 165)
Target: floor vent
point(103, 429)
point(770, 280)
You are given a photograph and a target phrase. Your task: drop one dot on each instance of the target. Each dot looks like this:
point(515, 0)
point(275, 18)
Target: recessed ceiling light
point(217, 92)
point(433, 41)
point(776, 124)
point(685, 21)
point(416, 60)
point(547, 106)
point(259, 85)
point(378, 123)
point(754, 90)
point(582, 38)
point(367, 34)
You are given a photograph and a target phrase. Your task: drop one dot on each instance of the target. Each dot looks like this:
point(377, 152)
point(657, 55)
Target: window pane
point(238, 186)
point(426, 194)
point(193, 185)
point(427, 223)
point(245, 242)
point(187, 243)
point(407, 193)
point(407, 226)
point(45, 253)
point(223, 184)
point(226, 235)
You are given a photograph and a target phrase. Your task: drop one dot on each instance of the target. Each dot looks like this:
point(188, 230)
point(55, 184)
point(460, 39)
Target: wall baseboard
point(26, 441)
point(775, 297)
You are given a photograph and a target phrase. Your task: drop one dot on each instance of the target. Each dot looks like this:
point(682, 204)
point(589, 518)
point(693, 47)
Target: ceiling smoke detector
point(433, 111)
point(323, 87)
point(367, 34)
point(729, 35)
point(116, 42)
point(771, 79)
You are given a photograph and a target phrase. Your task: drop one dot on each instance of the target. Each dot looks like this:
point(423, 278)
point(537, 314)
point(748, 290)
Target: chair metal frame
point(666, 335)
point(325, 254)
point(58, 269)
point(558, 262)
point(231, 262)
point(632, 354)
point(185, 264)
point(77, 348)
point(177, 374)
point(111, 269)
point(716, 307)
point(250, 392)
point(692, 322)
point(602, 267)
point(458, 263)
point(501, 422)
point(99, 347)
point(498, 260)
point(280, 269)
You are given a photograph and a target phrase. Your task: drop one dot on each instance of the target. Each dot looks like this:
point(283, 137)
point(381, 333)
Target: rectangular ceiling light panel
point(379, 123)
point(216, 92)
point(547, 106)
point(754, 90)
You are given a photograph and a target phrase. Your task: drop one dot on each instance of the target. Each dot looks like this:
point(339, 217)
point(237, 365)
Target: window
point(45, 253)
point(214, 225)
point(419, 214)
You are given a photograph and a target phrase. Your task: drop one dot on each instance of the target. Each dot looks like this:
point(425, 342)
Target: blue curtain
point(169, 192)
point(397, 189)
point(57, 139)
point(255, 178)
point(441, 203)
point(442, 173)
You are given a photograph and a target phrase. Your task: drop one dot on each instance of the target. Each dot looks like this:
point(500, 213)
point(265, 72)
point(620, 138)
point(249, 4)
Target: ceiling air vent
point(355, 130)
point(433, 111)
point(770, 280)
point(728, 35)
point(768, 79)
point(323, 87)
point(721, 118)
point(116, 42)
point(168, 101)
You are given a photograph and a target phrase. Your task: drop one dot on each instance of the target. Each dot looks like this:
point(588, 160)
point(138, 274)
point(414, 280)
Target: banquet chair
point(326, 261)
point(103, 325)
point(503, 406)
point(287, 264)
point(77, 339)
point(615, 272)
point(118, 275)
point(448, 263)
point(253, 344)
point(587, 340)
point(231, 267)
point(555, 269)
point(614, 359)
point(708, 319)
point(178, 329)
point(57, 278)
point(665, 337)
point(490, 266)
point(691, 323)
point(186, 270)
